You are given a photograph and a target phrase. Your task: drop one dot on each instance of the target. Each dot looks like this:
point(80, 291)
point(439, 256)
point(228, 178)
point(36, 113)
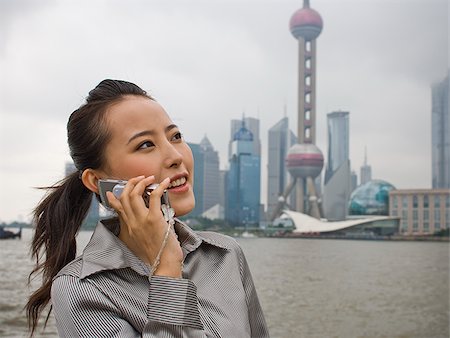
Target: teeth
point(177, 182)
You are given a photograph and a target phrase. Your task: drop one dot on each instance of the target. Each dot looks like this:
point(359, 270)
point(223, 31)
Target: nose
point(172, 157)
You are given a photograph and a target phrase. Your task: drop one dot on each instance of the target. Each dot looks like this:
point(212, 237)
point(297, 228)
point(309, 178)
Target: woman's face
point(144, 141)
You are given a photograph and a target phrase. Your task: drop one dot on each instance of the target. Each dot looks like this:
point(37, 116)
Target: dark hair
point(59, 215)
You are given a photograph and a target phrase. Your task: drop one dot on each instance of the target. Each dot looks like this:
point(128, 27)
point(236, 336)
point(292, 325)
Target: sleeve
point(258, 324)
point(173, 308)
point(81, 310)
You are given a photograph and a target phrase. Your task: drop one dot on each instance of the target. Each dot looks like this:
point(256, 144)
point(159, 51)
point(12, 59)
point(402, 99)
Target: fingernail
point(140, 177)
point(167, 179)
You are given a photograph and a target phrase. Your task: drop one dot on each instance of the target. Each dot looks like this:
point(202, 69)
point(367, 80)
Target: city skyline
point(213, 62)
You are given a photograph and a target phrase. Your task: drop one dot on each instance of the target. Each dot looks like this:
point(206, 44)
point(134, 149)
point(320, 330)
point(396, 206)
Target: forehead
point(134, 114)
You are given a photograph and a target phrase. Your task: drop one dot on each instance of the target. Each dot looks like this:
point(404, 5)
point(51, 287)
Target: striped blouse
point(106, 292)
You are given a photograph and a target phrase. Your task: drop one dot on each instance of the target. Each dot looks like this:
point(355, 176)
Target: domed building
point(371, 198)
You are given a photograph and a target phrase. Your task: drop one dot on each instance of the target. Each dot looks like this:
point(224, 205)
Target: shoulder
point(69, 288)
point(67, 281)
point(72, 269)
point(220, 240)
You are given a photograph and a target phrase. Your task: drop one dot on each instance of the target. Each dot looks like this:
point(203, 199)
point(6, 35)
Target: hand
point(143, 229)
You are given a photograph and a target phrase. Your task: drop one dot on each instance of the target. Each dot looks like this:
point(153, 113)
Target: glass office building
point(337, 183)
point(206, 176)
point(338, 140)
point(243, 181)
point(278, 178)
point(440, 135)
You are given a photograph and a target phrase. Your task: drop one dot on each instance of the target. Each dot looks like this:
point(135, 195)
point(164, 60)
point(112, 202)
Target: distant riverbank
point(366, 237)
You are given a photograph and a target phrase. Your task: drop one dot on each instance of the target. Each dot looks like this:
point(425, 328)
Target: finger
point(155, 196)
point(137, 202)
point(125, 196)
point(114, 202)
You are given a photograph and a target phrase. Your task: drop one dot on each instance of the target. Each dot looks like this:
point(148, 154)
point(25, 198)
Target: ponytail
point(57, 219)
point(59, 215)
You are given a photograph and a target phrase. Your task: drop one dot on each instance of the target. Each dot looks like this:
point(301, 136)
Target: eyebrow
point(150, 132)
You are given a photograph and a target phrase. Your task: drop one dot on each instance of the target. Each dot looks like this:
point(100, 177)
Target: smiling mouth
point(178, 182)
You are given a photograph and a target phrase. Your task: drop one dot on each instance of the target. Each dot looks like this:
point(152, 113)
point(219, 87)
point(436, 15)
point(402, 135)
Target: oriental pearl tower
point(304, 160)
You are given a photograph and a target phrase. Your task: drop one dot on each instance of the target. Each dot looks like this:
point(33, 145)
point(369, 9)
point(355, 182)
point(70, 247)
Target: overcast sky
point(211, 61)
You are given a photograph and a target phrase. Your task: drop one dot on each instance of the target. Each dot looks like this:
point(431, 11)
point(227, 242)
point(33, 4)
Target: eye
point(177, 137)
point(146, 145)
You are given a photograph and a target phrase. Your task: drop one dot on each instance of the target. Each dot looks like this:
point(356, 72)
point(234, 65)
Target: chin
point(183, 207)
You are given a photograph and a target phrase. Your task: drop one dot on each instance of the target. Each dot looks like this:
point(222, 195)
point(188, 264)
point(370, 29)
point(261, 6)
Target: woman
point(135, 277)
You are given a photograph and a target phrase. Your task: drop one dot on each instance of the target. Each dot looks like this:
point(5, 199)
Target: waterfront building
point(370, 198)
point(337, 183)
point(93, 214)
point(215, 212)
point(440, 135)
point(280, 139)
point(421, 211)
point(243, 181)
point(356, 227)
point(206, 176)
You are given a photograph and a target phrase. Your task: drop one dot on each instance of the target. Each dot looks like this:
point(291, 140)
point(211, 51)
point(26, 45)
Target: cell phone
point(117, 186)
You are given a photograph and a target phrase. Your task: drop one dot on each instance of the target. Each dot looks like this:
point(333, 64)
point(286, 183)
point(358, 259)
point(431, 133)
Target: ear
point(90, 179)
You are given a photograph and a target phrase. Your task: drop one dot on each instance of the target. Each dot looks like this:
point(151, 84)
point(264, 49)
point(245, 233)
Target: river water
point(307, 287)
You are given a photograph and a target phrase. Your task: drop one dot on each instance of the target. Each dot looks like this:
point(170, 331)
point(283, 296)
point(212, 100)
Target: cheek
point(131, 167)
point(188, 159)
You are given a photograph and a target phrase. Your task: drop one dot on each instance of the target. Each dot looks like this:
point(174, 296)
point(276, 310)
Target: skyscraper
point(440, 135)
point(337, 185)
point(366, 170)
point(198, 179)
point(252, 124)
point(206, 176)
point(279, 141)
point(243, 181)
point(354, 180)
point(338, 141)
point(211, 174)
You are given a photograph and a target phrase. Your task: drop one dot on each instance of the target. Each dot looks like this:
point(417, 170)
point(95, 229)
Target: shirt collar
point(105, 251)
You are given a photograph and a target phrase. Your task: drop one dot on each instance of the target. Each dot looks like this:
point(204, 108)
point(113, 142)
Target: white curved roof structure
point(307, 224)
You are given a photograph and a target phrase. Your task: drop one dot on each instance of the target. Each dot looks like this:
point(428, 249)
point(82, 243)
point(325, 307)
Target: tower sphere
point(304, 160)
point(306, 23)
